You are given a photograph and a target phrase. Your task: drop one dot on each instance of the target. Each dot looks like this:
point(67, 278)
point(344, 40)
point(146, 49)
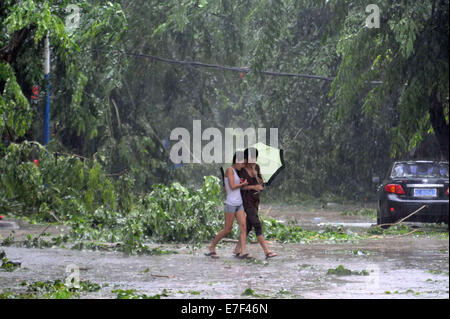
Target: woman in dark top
point(250, 198)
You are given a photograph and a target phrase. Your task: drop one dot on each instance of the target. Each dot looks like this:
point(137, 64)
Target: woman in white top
point(233, 206)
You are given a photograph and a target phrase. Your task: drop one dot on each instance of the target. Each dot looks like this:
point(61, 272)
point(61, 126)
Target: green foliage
point(33, 19)
point(249, 292)
point(56, 289)
point(60, 185)
point(38, 14)
point(293, 233)
point(406, 55)
point(342, 271)
point(118, 111)
point(38, 242)
point(6, 264)
point(132, 294)
point(83, 197)
point(176, 213)
point(15, 111)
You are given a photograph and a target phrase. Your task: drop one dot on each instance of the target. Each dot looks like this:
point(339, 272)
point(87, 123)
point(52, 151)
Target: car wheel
point(382, 220)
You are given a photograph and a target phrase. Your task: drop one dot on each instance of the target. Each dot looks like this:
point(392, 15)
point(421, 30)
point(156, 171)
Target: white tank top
point(234, 197)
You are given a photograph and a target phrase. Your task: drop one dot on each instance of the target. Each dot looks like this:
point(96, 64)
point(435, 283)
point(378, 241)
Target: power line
point(221, 67)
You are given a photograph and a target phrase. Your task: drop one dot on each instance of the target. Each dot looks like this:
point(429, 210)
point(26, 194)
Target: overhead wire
point(221, 67)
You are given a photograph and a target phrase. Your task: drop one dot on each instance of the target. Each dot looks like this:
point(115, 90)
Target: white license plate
point(425, 192)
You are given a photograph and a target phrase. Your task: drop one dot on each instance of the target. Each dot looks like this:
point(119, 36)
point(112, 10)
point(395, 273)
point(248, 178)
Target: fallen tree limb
point(407, 234)
point(228, 240)
point(401, 220)
point(161, 276)
point(49, 225)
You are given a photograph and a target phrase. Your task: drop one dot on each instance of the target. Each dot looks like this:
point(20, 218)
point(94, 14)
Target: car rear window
point(439, 170)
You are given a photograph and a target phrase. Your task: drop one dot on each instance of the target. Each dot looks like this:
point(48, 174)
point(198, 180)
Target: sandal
point(245, 256)
point(271, 255)
point(212, 254)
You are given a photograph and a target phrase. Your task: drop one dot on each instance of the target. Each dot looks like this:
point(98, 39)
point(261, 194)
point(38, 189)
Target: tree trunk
point(9, 53)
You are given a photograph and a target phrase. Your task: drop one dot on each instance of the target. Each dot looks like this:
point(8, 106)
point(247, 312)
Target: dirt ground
point(397, 266)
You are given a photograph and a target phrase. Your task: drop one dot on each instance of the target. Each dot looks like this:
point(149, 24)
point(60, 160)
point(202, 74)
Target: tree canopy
point(119, 109)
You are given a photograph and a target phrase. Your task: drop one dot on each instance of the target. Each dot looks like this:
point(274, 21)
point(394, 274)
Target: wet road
point(398, 267)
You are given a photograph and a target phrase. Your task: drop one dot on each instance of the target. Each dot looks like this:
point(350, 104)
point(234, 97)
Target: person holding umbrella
point(233, 206)
point(250, 197)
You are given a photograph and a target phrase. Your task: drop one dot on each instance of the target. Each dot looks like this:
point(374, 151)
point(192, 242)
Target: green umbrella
point(270, 161)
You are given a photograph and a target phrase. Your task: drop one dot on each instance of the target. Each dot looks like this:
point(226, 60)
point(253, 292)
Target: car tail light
point(446, 192)
point(394, 189)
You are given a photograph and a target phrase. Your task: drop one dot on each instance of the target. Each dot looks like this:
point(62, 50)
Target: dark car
point(408, 186)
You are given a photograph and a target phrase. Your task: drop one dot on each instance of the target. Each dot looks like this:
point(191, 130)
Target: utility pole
point(47, 78)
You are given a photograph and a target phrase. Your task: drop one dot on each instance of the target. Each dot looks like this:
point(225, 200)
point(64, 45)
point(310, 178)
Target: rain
point(224, 149)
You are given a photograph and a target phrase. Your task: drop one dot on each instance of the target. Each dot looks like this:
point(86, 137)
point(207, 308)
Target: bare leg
point(261, 241)
point(263, 244)
point(237, 249)
point(229, 218)
point(241, 218)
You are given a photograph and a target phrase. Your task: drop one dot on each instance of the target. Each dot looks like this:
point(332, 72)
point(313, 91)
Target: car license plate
point(425, 192)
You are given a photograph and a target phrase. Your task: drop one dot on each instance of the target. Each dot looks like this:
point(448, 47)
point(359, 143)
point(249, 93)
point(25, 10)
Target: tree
point(409, 54)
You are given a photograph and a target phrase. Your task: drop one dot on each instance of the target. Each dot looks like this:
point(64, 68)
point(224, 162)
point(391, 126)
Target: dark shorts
point(253, 221)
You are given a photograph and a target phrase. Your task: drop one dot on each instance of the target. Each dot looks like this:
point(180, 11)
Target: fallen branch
point(401, 220)
point(407, 234)
point(101, 244)
point(162, 276)
point(49, 225)
point(228, 240)
point(56, 218)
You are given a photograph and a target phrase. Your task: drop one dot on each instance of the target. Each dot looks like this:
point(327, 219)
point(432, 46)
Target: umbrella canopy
point(270, 161)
